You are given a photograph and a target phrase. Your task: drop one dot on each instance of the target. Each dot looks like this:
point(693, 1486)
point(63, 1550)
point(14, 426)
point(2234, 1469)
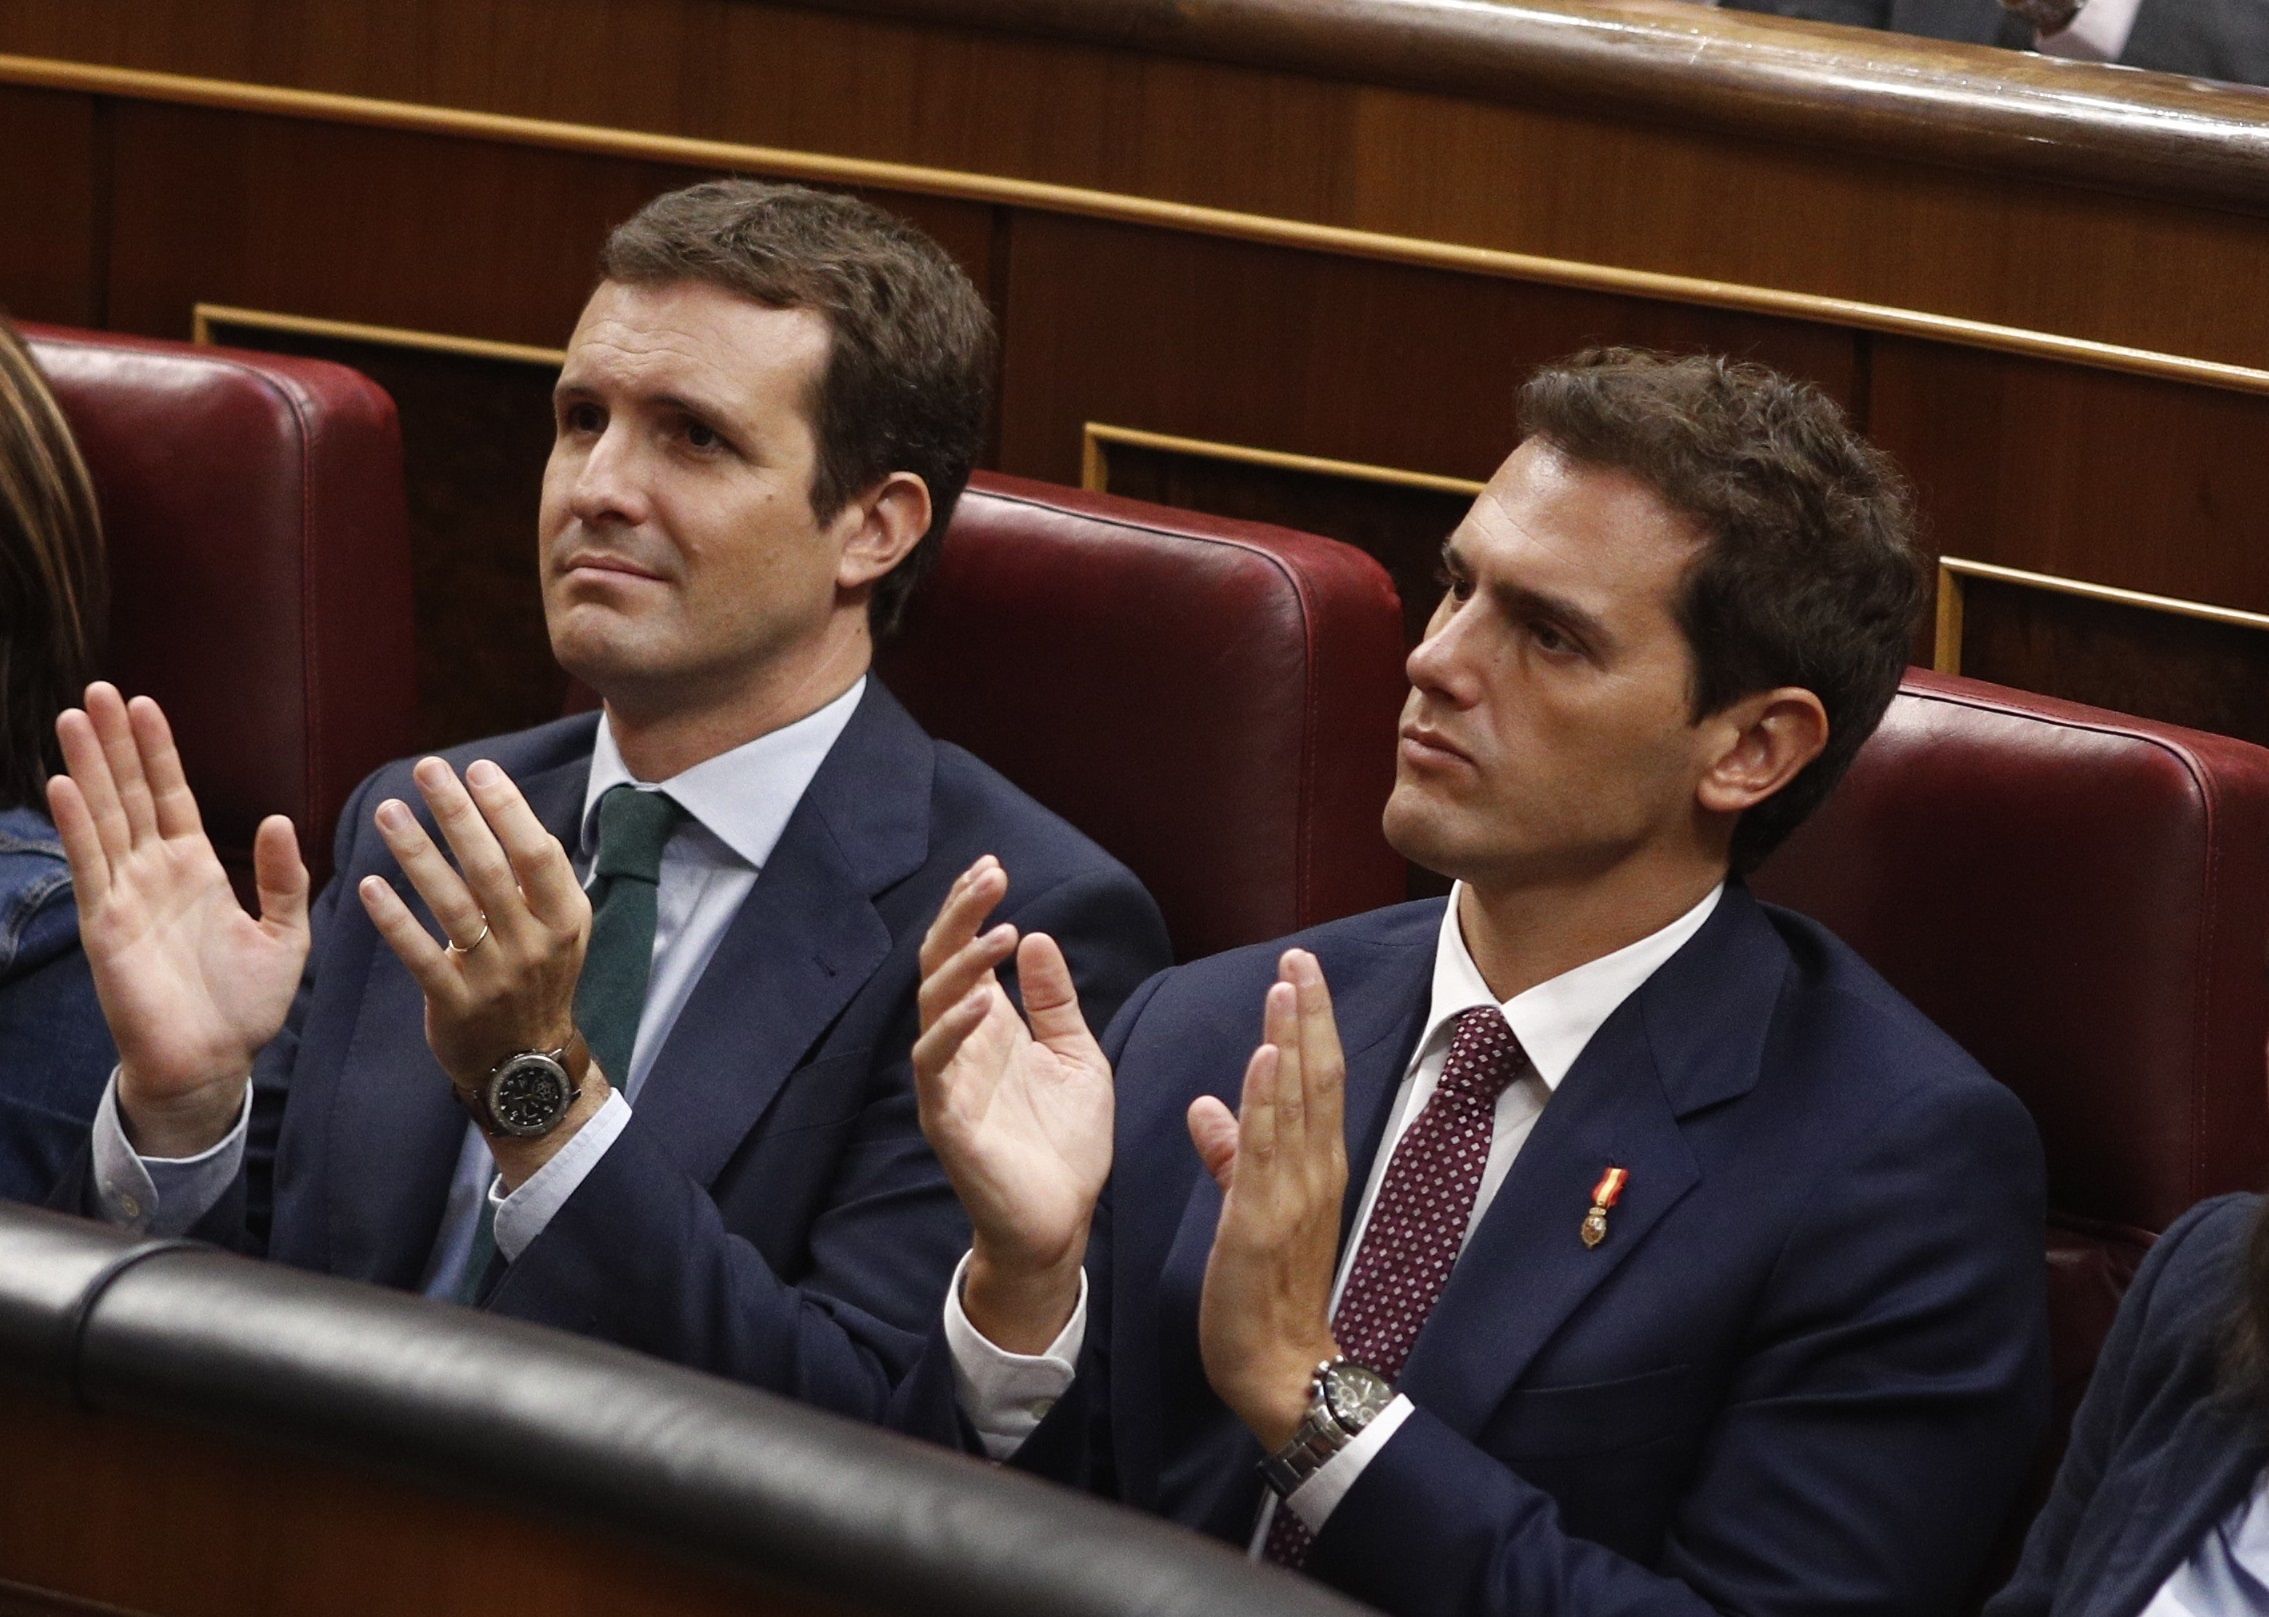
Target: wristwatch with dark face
point(527, 1093)
point(1344, 1398)
point(2046, 16)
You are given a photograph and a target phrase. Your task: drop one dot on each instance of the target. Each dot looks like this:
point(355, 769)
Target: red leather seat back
point(1215, 702)
point(260, 567)
point(2082, 900)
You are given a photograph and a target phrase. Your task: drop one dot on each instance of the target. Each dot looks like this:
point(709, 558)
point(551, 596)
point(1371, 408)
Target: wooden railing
point(192, 1434)
point(1284, 259)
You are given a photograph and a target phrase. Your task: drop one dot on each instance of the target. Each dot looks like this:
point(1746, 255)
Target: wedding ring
point(454, 947)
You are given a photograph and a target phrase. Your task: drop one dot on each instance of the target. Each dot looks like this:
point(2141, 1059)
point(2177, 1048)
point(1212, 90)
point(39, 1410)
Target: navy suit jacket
point(1804, 1373)
point(771, 1212)
point(2160, 1453)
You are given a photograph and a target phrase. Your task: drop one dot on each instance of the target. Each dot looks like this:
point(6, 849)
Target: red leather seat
point(1215, 702)
point(2082, 900)
point(260, 567)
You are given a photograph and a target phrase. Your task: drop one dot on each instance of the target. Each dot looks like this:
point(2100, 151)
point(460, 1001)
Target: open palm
point(1023, 1123)
point(1018, 1112)
point(191, 985)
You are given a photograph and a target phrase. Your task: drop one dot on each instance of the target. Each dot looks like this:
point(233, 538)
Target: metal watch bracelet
point(1317, 1438)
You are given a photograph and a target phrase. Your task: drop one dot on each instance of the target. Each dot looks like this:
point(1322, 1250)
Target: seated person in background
point(2161, 1508)
point(2210, 39)
point(54, 1051)
point(766, 414)
point(1601, 1240)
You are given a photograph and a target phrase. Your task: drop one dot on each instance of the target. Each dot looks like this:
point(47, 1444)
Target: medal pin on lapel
point(1604, 1195)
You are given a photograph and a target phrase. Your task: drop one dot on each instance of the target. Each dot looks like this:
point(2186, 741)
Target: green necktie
point(633, 826)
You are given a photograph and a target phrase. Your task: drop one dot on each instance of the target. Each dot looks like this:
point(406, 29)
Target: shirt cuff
point(1314, 1500)
point(1004, 1394)
point(2099, 34)
point(523, 1215)
point(161, 1196)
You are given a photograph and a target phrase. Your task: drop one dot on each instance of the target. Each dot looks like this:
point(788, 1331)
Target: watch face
point(529, 1095)
point(1355, 1395)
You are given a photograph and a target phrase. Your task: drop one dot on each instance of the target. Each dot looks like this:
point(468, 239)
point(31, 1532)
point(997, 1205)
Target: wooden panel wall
point(1361, 304)
point(53, 206)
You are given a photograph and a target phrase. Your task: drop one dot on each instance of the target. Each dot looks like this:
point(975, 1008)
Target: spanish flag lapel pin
point(1604, 1195)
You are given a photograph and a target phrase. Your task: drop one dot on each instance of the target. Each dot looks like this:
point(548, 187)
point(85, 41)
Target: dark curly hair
point(910, 356)
point(1808, 574)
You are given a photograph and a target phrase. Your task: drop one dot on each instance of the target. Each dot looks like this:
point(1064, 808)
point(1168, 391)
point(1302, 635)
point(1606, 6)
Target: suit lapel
point(1690, 1036)
point(396, 1129)
point(806, 940)
point(1381, 1020)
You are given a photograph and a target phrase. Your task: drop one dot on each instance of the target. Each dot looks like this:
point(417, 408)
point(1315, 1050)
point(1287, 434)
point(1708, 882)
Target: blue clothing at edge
point(2160, 1453)
point(55, 1050)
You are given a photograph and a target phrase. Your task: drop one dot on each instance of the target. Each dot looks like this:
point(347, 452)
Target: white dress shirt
point(2098, 34)
point(1005, 1395)
point(736, 804)
point(2229, 1571)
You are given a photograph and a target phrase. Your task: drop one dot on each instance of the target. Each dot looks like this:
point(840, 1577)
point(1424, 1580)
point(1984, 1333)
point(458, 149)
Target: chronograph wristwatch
point(1343, 1398)
point(526, 1094)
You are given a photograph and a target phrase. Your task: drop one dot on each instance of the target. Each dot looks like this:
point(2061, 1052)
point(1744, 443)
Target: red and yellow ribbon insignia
point(1604, 1195)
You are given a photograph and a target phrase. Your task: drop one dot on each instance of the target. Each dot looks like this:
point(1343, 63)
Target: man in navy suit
point(766, 413)
point(1601, 1240)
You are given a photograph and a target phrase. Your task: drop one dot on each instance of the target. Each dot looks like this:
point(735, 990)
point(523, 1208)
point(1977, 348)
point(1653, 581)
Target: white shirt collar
point(744, 797)
point(1555, 1019)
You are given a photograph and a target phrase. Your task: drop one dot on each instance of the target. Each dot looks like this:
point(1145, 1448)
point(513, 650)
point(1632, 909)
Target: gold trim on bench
point(825, 168)
point(205, 316)
point(1096, 439)
point(1946, 651)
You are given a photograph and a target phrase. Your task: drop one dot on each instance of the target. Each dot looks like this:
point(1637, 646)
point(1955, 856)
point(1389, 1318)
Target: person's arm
point(193, 988)
point(1047, 1412)
point(640, 1255)
point(161, 1196)
point(1869, 1443)
point(637, 1251)
point(2103, 1419)
point(223, 1193)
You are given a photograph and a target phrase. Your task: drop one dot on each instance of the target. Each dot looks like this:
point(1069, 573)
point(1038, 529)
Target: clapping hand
point(1018, 1112)
point(516, 924)
point(192, 986)
point(1281, 1162)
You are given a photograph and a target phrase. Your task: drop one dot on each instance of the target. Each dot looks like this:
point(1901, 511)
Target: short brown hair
point(1807, 575)
point(54, 592)
point(909, 366)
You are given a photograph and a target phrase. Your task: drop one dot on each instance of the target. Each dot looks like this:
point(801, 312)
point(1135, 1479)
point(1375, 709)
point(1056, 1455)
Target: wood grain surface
point(107, 1512)
point(1343, 228)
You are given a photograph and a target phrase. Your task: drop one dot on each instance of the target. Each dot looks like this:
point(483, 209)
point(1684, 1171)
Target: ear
point(885, 523)
point(1763, 741)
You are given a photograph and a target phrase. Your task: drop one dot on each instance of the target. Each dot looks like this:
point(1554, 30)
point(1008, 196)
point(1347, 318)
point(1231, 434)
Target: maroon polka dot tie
point(1417, 1225)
